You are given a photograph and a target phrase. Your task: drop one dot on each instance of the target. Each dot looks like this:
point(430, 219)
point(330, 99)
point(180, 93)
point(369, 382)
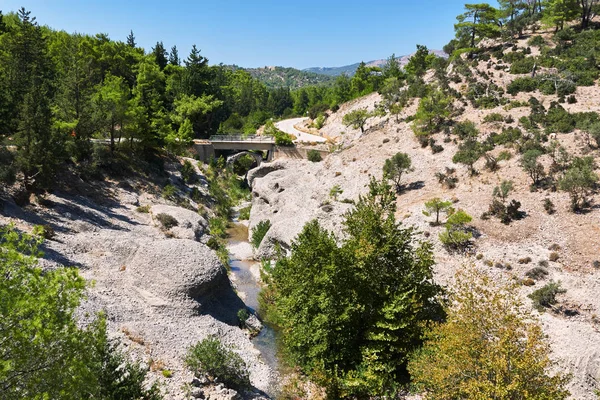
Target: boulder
point(190, 225)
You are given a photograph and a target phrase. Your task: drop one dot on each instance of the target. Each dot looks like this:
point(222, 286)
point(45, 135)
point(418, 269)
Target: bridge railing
point(242, 138)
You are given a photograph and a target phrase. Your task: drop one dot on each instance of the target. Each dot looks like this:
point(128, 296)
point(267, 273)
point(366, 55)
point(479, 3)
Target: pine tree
point(131, 40)
point(160, 55)
point(174, 56)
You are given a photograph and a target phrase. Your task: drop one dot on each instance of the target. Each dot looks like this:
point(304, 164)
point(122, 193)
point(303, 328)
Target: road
point(287, 126)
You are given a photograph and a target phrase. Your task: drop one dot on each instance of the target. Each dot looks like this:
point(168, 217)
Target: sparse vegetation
point(437, 206)
point(456, 236)
point(313, 155)
point(259, 232)
point(545, 297)
point(395, 167)
point(217, 362)
point(167, 221)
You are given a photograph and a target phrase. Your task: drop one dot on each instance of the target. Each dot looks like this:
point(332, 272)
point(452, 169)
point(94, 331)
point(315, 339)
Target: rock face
point(178, 267)
point(291, 193)
point(190, 225)
point(160, 295)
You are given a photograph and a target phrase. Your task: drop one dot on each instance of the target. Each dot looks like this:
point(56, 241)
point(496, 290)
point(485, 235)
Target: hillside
point(548, 243)
point(350, 70)
point(276, 77)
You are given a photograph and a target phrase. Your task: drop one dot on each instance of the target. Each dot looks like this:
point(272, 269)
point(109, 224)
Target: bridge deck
point(242, 139)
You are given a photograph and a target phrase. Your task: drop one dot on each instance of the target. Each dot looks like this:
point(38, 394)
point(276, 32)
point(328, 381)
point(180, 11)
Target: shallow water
point(246, 277)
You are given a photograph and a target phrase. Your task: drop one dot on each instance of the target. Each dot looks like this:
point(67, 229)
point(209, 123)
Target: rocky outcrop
point(190, 225)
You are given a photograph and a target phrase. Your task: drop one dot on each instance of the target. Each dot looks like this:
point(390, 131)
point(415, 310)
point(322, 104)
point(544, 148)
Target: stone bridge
point(235, 143)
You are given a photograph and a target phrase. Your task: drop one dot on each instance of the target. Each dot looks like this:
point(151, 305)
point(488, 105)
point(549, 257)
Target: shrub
point(220, 363)
point(523, 66)
point(504, 155)
point(313, 155)
point(169, 192)
point(525, 260)
point(524, 84)
point(456, 236)
point(554, 256)
point(465, 130)
point(188, 172)
point(493, 117)
point(44, 231)
point(167, 373)
point(537, 273)
point(243, 316)
point(259, 232)
point(508, 136)
point(543, 263)
point(320, 121)
point(143, 209)
point(554, 247)
point(245, 213)
point(546, 296)
point(536, 40)
point(549, 206)
point(283, 139)
point(167, 221)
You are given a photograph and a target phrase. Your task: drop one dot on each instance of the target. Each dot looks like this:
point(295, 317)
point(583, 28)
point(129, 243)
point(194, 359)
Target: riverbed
point(245, 275)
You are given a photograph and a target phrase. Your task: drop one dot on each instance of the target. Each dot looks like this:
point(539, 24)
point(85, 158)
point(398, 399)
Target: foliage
point(489, 347)
point(259, 232)
point(437, 206)
point(210, 357)
point(357, 119)
point(351, 314)
point(579, 180)
point(531, 165)
point(169, 192)
point(456, 236)
point(167, 221)
point(313, 155)
point(432, 113)
point(545, 297)
point(395, 167)
point(468, 153)
point(188, 172)
point(37, 324)
point(335, 191)
point(44, 231)
point(245, 213)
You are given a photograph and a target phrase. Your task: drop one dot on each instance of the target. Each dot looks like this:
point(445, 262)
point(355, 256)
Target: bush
point(536, 40)
point(44, 231)
point(537, 273)
point(167, 221)
point(504, 155)
point(493, 117)
point(523, 66)
point(210, 357)
point(465, 130)
point(259, 232)
point(188, 172)
point(508, 136)
point(245, 213)
point(546, 296)
point(549, 206)
point(525, 260)
point(313, 155)
point(169, 192)
point(143, 209)
point(554, 256)
point(524, 84)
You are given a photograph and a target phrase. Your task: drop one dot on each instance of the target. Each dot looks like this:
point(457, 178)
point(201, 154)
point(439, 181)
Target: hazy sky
point(248, 33)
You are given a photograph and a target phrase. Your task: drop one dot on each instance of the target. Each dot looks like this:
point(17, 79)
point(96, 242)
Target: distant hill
point(275, 77)
point(351, 69)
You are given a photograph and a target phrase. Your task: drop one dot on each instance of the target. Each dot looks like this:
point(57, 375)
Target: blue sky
point(256, 33)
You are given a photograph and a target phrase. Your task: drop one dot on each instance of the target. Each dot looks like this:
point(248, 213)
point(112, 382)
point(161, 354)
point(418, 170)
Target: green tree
point(391, 68)
point(392, 95)
point(579, 180)
point(432, 113)
point(503, 190)
point(557, 12)
point(350, 315)
point(437, 206)
point(531, 165)
point(160, 55)
point(395, 167)
point(174, 57)
point(488, 348)
point(418, 63)
point(357, 119)
point(456, 236)
point(131, 40)
point(468, 153)
point(111, 101)
point(480, 21)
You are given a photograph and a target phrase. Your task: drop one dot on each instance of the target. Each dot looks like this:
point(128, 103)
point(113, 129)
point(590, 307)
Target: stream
point(245, 273)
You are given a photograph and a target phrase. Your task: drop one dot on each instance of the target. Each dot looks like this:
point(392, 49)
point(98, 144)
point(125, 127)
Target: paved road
point(287, 126)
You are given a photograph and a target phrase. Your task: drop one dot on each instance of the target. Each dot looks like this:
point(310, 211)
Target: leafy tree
point(579, 180)
point(531, 165)
point(488, 348)
point(391, 93)
point(437, 206)
point(357, 119)
point(350, 315)
point(44, 353)
point(111, 101)
point(392, 69)
point(335, 191)
point(395, 167)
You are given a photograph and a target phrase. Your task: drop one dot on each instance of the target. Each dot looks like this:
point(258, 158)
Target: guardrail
point(242, 138)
